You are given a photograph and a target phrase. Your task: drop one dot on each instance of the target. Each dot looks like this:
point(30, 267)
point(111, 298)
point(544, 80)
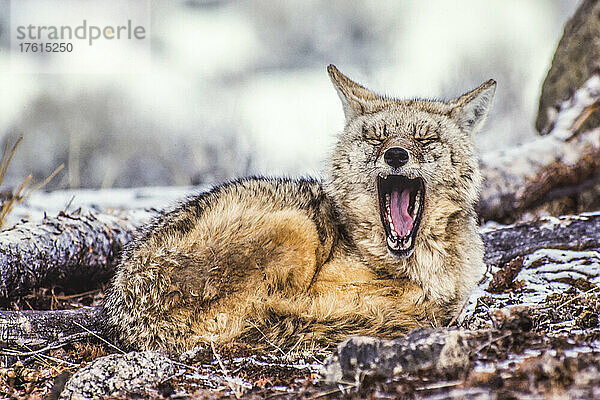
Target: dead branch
point(27, 357)
point(75, 250)
point(548, 167)
point(576, 232)
point(38, 331)
point(32, 329)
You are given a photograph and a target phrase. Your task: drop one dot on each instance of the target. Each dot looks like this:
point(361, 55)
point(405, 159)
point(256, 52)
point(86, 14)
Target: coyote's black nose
point(395, 157)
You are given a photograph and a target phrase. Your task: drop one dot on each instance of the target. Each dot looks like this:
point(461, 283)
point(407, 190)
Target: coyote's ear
point(356, 99)
point(471, 109)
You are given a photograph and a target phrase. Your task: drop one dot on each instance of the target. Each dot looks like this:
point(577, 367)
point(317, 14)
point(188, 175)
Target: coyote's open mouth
point(400, 204)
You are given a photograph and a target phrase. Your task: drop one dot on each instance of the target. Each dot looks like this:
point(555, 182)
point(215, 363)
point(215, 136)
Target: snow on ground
point(543, 273)
point(51, 203)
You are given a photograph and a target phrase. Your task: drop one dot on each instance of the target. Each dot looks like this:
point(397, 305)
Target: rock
point(577, 57)
point(123, 375)
point(439, 350)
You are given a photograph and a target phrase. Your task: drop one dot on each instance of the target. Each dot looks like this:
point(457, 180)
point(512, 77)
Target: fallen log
point(32, 329)
point(547, 168)
point(75, 250)
point(39, 331)
point(570, 232)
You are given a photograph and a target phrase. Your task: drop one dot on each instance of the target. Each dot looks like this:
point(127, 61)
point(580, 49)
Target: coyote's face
point(402, 169)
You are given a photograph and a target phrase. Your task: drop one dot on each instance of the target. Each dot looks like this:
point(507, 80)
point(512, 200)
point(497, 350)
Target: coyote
point(386, 242)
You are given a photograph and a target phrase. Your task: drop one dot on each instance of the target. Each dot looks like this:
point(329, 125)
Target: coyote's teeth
point(392, 243)
point(407, 242)
point(417, 204)
point(387, 206)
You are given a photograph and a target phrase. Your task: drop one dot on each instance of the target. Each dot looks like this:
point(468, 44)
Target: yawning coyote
point(387, 242)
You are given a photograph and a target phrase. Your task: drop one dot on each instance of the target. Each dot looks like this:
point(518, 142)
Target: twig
point(289, 353)
point(74, 296)
point(7, 157)
point(440, 385)
point(325, 394)
point(98, 337)
point(266, 339)
point(58, 360)
point(273, 395)
point(56, 345)
point(19, 195)
point(489, 342)
point(339, 389)
point(455, 318)
point(479, 301)
point(14, 199)
point(28, 305)
point(38, 356)
point(576, 297)
point(186, 365)
point(41, 357)
point(235, 388)
point(221, 365)
point(69, 204)
point(585, 114)
point(45, 181)
point(53, 300)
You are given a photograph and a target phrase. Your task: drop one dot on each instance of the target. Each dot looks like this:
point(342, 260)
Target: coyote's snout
point(385, 243)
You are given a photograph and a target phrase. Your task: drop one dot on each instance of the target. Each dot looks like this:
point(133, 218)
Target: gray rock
point(440, 350)
point(119, 375)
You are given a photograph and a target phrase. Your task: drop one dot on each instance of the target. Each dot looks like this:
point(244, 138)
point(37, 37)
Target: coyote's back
point(385, 243)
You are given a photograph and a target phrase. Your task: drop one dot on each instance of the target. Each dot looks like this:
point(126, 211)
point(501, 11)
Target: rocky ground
point(529, 330)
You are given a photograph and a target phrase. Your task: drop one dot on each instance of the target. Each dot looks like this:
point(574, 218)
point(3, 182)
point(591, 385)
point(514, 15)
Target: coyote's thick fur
point(387, 242)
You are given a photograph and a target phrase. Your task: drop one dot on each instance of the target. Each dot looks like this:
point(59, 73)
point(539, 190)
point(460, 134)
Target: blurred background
point(239, 88)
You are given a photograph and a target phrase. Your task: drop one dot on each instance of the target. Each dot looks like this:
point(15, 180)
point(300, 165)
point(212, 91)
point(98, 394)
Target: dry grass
point(26, 188)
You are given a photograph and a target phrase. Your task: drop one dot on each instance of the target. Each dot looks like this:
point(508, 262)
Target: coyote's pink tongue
point(403, 222)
